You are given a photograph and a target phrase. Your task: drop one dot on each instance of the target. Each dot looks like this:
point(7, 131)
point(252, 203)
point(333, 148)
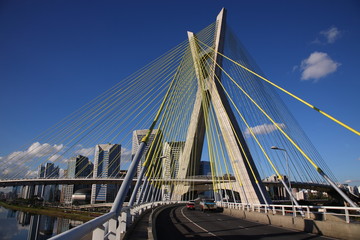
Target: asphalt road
point(179, 223)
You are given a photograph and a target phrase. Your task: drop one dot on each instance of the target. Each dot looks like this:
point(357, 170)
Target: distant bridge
point(197, 180)
point(60, 181)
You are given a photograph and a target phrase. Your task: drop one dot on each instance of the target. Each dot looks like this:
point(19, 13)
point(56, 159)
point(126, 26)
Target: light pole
point(288, 173)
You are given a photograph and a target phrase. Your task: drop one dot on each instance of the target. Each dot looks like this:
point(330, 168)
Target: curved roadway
point(177, 223)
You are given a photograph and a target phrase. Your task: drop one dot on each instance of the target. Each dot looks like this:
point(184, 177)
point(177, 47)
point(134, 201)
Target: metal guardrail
point(109, 225)
point(314, 212)
point(112, 226)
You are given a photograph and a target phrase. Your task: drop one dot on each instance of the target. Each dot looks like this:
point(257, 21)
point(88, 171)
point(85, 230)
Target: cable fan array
point(173, 81)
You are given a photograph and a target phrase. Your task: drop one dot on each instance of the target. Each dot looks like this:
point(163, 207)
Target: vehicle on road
point(190, 205)
point(208, 205)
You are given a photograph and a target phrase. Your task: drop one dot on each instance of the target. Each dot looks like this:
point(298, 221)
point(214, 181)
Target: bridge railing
point(311, 212)
point(110, 226)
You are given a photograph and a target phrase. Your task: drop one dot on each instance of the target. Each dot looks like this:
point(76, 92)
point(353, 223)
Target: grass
point(54, 212)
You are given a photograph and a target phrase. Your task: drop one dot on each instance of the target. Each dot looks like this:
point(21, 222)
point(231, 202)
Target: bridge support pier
point(124, 221)
point(112, 229)
point(99, 233)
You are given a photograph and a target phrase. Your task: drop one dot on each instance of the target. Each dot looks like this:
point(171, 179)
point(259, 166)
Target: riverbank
point(53, 212)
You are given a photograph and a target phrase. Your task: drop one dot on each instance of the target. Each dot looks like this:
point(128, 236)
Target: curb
point(152, 220)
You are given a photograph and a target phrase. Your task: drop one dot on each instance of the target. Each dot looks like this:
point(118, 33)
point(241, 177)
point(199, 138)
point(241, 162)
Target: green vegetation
point(51, 211)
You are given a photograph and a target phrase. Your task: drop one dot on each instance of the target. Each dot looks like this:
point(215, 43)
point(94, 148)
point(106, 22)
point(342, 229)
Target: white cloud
point(351, 181)
point(125, 155)
point(86, 151)
point(39, 150)
point(17, 163)
point(328, 36)
point(331, 35)
point(65, 160)
point(55, 158)
point(36, 150)
point(61, 173)
point(5, 171)
point(264, 129)
point(317, 65)
point(31, 174)
point(296, 67)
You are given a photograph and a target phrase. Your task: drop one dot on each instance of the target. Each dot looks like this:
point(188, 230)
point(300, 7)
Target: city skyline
point(48, 57)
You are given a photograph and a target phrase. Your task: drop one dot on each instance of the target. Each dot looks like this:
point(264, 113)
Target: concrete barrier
point(330, 228)
point(152, 220)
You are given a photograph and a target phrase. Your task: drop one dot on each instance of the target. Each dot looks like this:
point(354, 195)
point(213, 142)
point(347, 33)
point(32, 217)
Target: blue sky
point(55, 56)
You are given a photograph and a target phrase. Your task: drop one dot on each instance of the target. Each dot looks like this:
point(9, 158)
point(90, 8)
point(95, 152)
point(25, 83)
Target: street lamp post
point(288, 173)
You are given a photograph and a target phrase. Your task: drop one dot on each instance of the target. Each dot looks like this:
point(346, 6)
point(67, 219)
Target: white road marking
point(198, 225)
point(243, 227)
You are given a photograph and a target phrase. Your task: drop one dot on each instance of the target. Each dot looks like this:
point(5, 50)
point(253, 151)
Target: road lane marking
point(199, 226)
point(243, 227)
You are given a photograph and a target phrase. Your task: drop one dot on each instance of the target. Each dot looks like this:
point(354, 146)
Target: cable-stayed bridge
point(204, 99)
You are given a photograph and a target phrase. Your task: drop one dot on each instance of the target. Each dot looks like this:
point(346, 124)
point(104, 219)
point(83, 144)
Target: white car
point(208, 205)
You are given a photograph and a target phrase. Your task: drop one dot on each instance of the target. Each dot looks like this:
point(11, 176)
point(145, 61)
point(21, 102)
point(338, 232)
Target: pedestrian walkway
point(139, 230)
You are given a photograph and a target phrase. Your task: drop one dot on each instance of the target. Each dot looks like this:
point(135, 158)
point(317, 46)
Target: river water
point(17, 225)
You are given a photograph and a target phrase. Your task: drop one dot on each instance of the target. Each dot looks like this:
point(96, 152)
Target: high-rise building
point(41, 174)
point(138, 135)
point(16, 191)
point(51, 171)
point(170, 164)
point(27, 191)
point(170, 158)
point(78, 167)
point(63, 188)
point(152, 150)
point(205, 168)
point(106, 165)
point(50, 193)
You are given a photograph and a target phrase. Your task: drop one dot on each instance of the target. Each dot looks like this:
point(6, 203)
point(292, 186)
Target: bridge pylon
point(248, 179)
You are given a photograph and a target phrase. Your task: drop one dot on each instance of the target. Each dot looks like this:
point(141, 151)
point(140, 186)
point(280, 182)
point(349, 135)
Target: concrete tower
point(251, 191)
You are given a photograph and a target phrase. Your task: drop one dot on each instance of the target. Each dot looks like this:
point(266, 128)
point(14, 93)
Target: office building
point(170, 158)
point(51, 192)
point(27, 191)
point(106, 165)
point(170, 165)
point(205, 168)
point(138, 135)
point(78, 167)
point(41, 174)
